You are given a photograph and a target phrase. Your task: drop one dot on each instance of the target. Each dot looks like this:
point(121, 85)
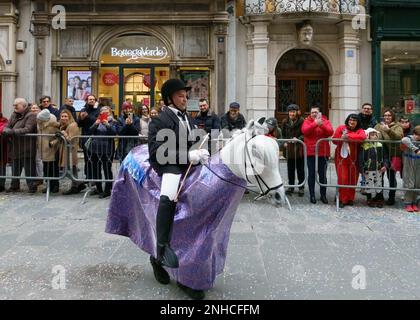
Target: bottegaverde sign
point(154, 53)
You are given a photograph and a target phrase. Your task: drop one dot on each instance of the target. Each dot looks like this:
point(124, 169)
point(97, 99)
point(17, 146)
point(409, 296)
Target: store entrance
point(138, 84)
point(136, 87)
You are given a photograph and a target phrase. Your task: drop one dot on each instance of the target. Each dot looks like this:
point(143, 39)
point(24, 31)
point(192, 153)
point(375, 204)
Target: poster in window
point(79, 87)
point(198, 80)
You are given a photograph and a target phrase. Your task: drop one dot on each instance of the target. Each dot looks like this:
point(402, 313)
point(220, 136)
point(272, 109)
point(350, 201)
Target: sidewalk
point(306, 253)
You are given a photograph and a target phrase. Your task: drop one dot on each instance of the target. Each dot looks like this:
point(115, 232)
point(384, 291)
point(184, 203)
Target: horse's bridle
point(255, 174)
point(260, 180)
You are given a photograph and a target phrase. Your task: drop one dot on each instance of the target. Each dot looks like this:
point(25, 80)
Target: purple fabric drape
point(203, 218)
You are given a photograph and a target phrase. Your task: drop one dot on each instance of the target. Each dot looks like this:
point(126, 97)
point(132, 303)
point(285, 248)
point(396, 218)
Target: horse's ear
point(261, 120)
point(250, 125)
point(260, 127)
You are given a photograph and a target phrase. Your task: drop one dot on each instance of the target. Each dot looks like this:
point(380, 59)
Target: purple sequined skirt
point(203, 218)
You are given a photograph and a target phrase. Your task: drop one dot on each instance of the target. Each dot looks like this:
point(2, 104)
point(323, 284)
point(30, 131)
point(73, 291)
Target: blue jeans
point(322, 174)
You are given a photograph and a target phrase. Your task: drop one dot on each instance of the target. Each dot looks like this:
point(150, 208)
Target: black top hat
point(170, 87)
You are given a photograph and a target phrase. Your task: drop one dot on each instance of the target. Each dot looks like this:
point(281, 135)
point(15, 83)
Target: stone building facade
point(117, 50)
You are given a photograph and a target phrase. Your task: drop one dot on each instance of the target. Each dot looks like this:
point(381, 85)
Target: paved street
point(306, 253)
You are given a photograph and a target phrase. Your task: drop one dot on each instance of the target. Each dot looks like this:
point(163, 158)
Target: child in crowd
point(373, 162)
point(411, 174)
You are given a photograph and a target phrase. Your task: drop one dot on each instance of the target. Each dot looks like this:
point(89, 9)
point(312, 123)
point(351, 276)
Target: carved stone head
point(306, 33)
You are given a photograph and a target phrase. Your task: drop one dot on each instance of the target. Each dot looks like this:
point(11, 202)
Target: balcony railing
point(255, 7)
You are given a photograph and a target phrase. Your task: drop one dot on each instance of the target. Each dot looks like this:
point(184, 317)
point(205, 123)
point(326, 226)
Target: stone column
point(221, 83)
point(347, 92)
point(257, 93)
point(8, 80)
point(41, 30)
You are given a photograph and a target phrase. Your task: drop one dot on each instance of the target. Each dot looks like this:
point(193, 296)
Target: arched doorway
point(301, 78)
point(133, 68)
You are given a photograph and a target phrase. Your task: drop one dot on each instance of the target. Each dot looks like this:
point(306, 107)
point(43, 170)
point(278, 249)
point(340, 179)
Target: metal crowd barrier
point(393, 152)
point(31, 154)
point(99, 158)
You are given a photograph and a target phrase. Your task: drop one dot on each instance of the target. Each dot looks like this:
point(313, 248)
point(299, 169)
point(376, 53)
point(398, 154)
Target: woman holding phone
point(100, 151)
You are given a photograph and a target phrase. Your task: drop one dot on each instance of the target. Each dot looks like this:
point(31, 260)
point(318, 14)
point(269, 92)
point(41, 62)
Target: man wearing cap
point(174, 119)
point(292, 129)
point(233, 119)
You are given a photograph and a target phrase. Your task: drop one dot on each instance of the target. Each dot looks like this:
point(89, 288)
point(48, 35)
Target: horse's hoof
point(160, 274)
point(192, 293)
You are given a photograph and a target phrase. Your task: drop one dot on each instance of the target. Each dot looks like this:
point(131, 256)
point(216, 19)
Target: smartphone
point(319, 115)
point(103, 117)
point(130, 115)
point(382, 120)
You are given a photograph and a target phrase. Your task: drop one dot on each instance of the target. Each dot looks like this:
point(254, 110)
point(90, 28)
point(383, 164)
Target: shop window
point(401, 77)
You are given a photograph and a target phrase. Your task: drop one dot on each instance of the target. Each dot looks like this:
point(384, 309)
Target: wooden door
point(302, 79)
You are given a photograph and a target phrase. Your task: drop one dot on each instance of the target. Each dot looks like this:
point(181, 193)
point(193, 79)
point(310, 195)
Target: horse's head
point(255, 157)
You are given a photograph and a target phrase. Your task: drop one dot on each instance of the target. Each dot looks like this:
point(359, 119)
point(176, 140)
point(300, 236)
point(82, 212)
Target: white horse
point(254, 157)
point(206, 204)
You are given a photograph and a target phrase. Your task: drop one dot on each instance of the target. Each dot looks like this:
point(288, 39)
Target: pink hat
point(126, 106)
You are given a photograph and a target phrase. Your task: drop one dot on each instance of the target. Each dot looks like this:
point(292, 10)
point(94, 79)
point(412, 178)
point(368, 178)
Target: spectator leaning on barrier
point(101, 151)
point(233, 119)
point(46, 104)
point(411, 176)
point(373, 162)
point(405, 124)
point(389, 129)
point(293, 152)
point(69, 131)
point(47, 125)
point(346, 157)
point(316, 127)
point(22, 148)
point(3, 151)
point(129, 125)
point(366, 118)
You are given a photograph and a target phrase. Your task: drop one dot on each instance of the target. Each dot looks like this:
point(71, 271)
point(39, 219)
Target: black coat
point(88, 122)
point(372, 156)
point(367, 121)
point(230, 124)
point(207, 122)
point(176, 152)
point(290, 130)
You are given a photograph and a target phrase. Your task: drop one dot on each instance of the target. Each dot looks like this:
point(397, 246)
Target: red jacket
point(358, 136)
point(3, 141)
point(312, 133)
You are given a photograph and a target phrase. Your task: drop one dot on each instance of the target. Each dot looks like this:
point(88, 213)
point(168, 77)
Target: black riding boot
point(164, 222)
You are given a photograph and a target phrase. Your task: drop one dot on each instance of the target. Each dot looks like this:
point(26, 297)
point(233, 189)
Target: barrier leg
point(337, 199)
point(88, 190)
point(47, 194)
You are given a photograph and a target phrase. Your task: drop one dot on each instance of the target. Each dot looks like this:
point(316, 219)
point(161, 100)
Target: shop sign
point(109, 79)
point(409, 106)
point(155, 53)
